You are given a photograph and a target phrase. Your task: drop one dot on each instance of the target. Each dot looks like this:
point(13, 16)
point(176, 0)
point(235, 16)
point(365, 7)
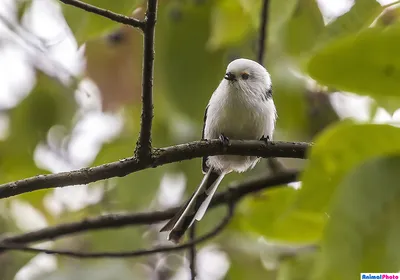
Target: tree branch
point(274, 164)
point(143, 145)
point(163, 156)
point(106, 13)
point(263, 31)
point(139, 253)
point(235, 192)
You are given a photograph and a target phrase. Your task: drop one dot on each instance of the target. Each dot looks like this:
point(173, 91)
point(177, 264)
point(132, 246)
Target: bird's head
point(247, 75)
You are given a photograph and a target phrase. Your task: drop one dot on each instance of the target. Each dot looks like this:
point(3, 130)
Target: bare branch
point(138, 253)
point(274, 164)
point(143, 145)
point(235, 192)
point(192, 252)
point(106, 13)
point(163, 156)
point(263, 31)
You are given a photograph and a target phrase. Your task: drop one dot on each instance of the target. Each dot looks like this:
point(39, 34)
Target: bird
point(241, 108)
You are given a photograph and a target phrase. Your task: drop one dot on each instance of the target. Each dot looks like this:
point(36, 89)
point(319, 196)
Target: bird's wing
point(204, 166)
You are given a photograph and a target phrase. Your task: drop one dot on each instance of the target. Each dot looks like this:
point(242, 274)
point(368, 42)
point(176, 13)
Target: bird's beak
point(230, 76)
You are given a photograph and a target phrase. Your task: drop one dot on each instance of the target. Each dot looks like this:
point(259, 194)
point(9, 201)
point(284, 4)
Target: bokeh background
point(70, 85)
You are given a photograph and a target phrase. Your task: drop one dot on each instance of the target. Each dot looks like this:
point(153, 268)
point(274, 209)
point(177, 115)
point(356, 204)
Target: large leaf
point(188, 71)
point(337, 151)
point(304, 28)
point(85, 25)
point(367, 64)
point(290, 99)
point(246, 266)
point(230, 24)
point(114, 63)
point(360, 16)
point(363, 230)
point(270, 215)
point(279, 13)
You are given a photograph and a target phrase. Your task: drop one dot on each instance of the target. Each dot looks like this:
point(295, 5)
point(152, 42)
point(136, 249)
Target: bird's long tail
point(195, 207)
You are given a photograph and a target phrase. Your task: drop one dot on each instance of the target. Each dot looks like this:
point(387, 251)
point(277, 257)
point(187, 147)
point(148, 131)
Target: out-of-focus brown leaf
point(114, 64)
point(389, 17)
point(320, 111)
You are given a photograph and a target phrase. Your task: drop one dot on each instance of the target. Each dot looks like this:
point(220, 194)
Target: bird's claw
point(224, 140)
point(265, 139)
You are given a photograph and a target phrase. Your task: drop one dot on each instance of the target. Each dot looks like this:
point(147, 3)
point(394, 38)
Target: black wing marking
point(268, 94)
point(204, 166)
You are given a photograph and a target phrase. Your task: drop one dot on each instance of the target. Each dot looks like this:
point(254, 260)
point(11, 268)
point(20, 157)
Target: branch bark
point(137, 253)
point(105, 13)
point(143, 145)
point(263, 31)
point(235, 193)
point(160, 157)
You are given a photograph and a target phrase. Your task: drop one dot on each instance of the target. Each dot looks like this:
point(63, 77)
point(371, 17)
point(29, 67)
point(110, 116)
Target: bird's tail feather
point(195, 207)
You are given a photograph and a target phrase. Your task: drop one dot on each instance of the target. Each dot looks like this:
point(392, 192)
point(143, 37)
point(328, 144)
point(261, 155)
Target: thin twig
point(192, 252)
point(143, 146)
point(235, 190)
point(163, 156)
point(106, 13)
point(274, 164)
point(137, 253)
point(263, 30)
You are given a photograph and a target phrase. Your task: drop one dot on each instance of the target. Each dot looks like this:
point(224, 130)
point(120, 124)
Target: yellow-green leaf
point(363, 230)
point(335, 153)
point(367, 64)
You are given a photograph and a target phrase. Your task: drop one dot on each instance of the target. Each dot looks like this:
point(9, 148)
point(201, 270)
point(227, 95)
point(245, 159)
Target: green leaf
point(279, 13)
point(271, 216)
point(246, 266)
point(337, 151)
point(367, 64)
point(303, 29)
point(291, 104)
point(363, 230)
point(85, 25)
point(230, 24)
point(187, 73)
point(298, 267)
point(360, 16)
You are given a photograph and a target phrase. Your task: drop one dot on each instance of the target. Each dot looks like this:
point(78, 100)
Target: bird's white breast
point(238, 116)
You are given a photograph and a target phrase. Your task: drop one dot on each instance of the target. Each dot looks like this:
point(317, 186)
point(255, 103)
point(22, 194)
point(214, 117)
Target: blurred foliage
point(346, 206)
point(363, 222)
point(87, 25)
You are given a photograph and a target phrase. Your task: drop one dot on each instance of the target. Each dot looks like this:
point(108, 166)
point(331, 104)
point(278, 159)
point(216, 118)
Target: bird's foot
point(265, 139)
point(224, 140)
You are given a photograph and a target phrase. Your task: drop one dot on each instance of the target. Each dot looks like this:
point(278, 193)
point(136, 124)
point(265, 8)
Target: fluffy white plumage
point(240, 108)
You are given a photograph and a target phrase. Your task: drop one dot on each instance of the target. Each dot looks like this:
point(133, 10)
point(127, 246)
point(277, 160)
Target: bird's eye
point(245, 76)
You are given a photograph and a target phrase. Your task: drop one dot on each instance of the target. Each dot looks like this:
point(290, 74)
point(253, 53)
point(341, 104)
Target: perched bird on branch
point(241, 108)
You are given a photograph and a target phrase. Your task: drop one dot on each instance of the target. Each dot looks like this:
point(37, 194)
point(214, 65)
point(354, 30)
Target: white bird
point(241, 108)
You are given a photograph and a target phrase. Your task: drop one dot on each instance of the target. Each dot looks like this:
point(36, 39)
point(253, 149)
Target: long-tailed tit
point(240, 108)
